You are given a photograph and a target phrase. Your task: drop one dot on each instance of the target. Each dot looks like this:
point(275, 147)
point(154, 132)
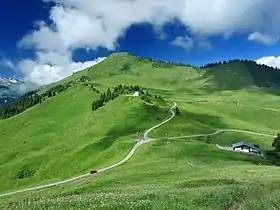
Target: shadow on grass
point(136, 122)
point(189, 123)
point(198, 122)
point(209, 154)
point(273, 157)
point(173, 93)
point(227, 77)
point(214, 155)
point(207, 182)
point(241, 75)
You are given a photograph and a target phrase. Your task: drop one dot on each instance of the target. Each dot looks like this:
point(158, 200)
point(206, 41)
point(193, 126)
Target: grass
point(62, 137)
point(180, 175)
point(57, 143)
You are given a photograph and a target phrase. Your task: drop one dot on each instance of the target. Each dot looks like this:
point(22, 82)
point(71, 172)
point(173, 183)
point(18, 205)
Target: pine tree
point(100, 102)
point(177, 111)
point(102, 97)
point(108, 95)
point(94, 106)
point(114, 95)
point(121, 88)
point(160, 98)
point(276, 143)
point(208, 140)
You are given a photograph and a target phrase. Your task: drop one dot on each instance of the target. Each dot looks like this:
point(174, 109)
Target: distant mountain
point(9, 81)
point(12, 88)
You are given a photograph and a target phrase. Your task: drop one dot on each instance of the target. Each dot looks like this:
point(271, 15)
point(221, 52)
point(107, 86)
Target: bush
point(25, 173)
point(177, 111)
point(276, 143)
point(208, 140)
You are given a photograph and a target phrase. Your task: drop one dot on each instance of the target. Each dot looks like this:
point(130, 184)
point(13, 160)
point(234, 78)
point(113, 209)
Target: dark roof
point(239, 144)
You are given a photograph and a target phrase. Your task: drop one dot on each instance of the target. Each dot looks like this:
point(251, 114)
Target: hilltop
point(89, 120)
point(164, 78)
point(215, 77)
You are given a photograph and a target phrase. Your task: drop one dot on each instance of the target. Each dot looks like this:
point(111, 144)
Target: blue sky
point(45, 40)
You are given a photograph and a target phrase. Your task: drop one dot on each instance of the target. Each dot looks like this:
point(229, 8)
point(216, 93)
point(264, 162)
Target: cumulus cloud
point(185, 42)
point(262, 38)
point(42, 73)
point(189, 43)
point(272, 61)
point(89, 25)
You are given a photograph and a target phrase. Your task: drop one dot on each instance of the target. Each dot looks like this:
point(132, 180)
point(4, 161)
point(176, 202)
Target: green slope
point(181, 175)
point(238, 75)
point(177, 79)
point(62, 137)
point(127, 69)
point(233, 76)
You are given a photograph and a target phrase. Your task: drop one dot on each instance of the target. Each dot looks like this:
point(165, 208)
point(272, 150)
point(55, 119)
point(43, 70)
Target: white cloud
point(41, 73)
point(272, 61)
point(185, 42)
point(262, 38)
point(189, 43)
point(7, 63)
point(91, 24)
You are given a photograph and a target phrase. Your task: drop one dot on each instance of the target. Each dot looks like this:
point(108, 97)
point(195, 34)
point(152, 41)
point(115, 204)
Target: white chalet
point(245, 147)
point(136, 93)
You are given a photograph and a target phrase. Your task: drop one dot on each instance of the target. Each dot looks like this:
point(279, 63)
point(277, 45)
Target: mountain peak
point(120, 54)
point(9, 81)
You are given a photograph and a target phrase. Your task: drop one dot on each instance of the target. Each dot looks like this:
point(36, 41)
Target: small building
point(136, 93)
point(245, 147)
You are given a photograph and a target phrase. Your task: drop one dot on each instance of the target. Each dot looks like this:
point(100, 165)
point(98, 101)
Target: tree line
point(163, 64)
point(276, 143)
point(110, 95)
point(167, 64)
point(32, 98)
point(263, 76)
point(29, 100)
point(214, 64)
point(245, 61)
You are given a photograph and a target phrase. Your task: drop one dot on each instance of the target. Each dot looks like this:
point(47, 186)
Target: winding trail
point(144, 140)
point(222, 131)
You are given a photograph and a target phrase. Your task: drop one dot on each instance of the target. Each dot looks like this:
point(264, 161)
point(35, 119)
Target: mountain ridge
point(13, 88)
point(9, 81)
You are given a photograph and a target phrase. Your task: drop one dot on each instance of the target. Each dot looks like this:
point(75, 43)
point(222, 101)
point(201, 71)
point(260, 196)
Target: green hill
point(52, 138)
point(56, 134)
point(128, 69)
point(236, 75)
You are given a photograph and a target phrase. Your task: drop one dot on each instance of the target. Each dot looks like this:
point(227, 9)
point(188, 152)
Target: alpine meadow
point(177, 125)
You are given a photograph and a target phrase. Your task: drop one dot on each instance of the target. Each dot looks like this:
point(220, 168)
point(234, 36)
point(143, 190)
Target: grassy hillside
point(62, 137)
point(180, 79)
point(127, 69)
point(180, 175)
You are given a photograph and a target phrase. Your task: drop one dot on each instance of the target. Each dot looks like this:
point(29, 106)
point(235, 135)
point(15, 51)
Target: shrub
point(25, 173)
point(208, 140)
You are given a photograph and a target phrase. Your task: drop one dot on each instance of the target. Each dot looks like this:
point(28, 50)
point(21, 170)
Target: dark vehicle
point(93, 172)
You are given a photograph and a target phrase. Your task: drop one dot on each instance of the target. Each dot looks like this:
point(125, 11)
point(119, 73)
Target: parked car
point(93, 171)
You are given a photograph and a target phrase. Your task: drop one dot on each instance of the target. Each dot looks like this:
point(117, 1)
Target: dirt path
point(144, 140)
